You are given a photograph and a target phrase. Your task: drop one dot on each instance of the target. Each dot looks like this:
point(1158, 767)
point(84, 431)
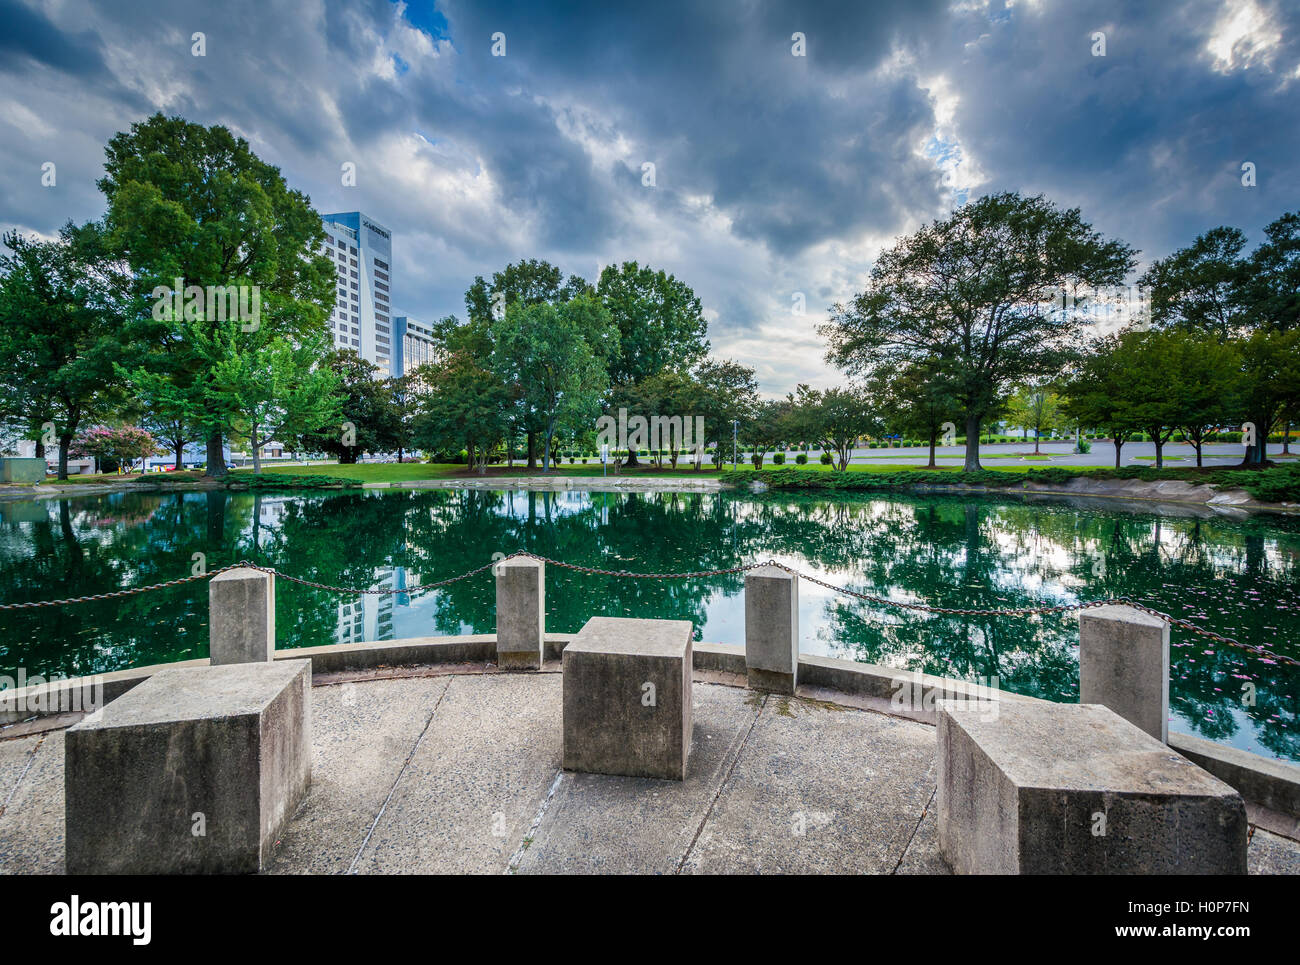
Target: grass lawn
point(414, 471)
point(85, 479)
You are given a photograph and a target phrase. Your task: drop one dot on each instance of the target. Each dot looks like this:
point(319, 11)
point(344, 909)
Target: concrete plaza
point(456, 769)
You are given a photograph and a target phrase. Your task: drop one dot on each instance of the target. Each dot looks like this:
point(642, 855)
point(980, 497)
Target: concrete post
point(241, 616)
point(521, 613)
point(772, 629)
point(1124, 665)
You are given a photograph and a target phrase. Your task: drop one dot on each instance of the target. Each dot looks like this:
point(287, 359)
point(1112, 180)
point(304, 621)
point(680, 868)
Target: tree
point(659, 320)
point(766, 428)
point(1035, 407)
point(523, 283)
point(368, 408)
point(120, 445)
point(1270, 292)
point(916, 400)
point(668, 397)
point(1095, 392)
point(1196, 288)
point(196, 204)
point(1205, 378)
point(59, 304)
point(274, 386)
point(726, 392)
point(541, 349)
point(977, 291)
point(1210, 289)
point(836, 419)
point(461, 403)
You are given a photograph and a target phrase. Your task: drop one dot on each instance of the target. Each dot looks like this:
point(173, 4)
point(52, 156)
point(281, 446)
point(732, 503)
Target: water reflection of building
point(370, 616)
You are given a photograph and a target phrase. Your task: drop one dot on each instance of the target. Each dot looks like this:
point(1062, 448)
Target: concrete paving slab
point(599, 824)
point(362, 735)
point(31, 829)
point(1271, 854)
point(476, 781)
point(819, 789)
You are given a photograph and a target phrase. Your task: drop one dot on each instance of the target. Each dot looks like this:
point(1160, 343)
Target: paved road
point(1059, 454)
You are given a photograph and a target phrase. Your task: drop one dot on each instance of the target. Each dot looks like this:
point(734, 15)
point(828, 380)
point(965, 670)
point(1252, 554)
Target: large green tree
point(195, 204)
point(60, 302)
point(916, 400)
point(659, 319)
point(1210, 288)
point(460, 403)
point(369, 408)
point(978, 290)
point(542, 349)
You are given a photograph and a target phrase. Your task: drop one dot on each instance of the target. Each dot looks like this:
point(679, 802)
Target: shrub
point(827, 459)
point(801, 459)
point(779, 458)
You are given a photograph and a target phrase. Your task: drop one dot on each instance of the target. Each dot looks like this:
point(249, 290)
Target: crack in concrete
point(31, 759)
point(912, 837)
point(352, 868)
point(708, 812)
point(531, 834)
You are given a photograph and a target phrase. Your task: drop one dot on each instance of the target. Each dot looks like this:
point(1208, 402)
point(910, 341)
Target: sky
point(790, 142)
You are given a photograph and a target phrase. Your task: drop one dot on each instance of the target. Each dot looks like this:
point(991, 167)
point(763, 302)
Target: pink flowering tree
point(122, 445)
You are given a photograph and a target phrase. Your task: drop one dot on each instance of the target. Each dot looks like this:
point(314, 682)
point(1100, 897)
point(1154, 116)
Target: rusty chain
point(1256, 650)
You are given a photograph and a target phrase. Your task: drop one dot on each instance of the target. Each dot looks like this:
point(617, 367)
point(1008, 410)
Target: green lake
point(1240, 577)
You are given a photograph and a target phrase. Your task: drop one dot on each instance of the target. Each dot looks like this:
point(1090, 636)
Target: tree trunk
point(1119, 444)
point(179, 445)
point(1286, 439)
point(1038, 435)
point(1198, 452)
point(546, 454)
point(1160, 450)
point(933, 436)
point(65, 440)
point(257, 451)
point(972, 463)
point(216, 458)
point(532, 450)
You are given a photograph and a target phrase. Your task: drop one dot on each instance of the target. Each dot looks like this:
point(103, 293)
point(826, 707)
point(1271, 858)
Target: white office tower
point(362, 252)
point(414, 342)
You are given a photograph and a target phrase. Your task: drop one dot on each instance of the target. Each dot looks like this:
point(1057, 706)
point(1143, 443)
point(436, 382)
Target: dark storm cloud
point(773, 173)
point(28, 36)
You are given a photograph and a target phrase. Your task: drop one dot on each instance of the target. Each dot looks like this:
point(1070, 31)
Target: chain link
point(1182, 624)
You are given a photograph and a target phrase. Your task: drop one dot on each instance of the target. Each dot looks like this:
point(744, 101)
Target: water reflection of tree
point(1237, 577)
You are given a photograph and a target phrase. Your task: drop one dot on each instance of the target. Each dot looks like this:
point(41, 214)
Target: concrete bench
point(195, 771)
point(1076, 789)
point(627, 698)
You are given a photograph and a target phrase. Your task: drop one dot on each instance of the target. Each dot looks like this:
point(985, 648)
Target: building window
point(381, 264)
